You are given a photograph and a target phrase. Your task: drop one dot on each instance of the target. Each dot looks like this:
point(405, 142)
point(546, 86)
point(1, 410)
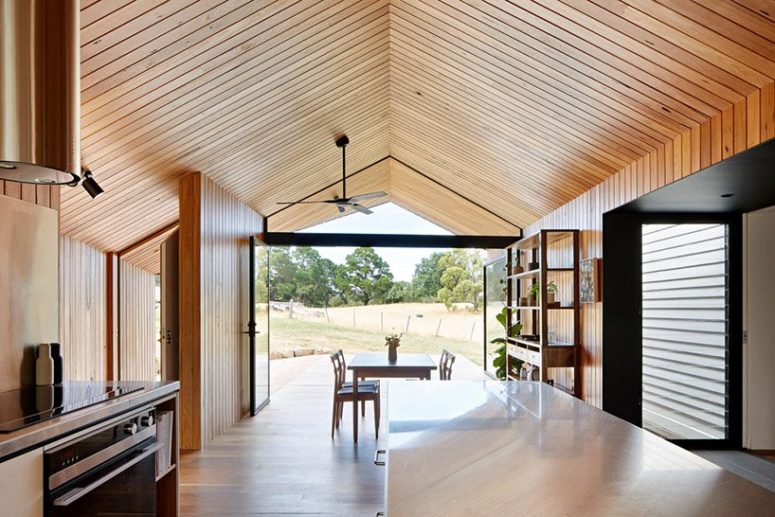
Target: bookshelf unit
point(551, 331)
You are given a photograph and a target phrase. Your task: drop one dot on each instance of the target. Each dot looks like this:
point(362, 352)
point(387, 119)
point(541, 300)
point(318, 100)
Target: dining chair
point(442, 361)
point(344, 394)
point(362, 382)
point(445, 370)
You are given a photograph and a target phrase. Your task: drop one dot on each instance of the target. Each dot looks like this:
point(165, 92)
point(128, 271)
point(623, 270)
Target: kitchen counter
point(39, 434)
point(524, 448)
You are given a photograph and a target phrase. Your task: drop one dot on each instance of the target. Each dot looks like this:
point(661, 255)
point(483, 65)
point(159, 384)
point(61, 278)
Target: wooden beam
point(388, 240)
point(190, 312)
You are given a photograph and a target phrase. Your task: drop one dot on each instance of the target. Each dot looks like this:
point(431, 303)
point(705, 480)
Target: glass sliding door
point(495, 299)
point(258, 325)
point(686, 331)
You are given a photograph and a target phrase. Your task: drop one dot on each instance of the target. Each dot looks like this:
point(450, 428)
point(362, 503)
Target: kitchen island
point(525, 448)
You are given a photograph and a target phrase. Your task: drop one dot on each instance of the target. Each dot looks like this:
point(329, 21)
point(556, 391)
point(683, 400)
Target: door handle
point(377, 461)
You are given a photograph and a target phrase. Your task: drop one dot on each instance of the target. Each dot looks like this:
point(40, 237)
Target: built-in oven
point(107, 470)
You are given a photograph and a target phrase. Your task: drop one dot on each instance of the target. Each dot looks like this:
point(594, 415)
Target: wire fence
point(430, 320)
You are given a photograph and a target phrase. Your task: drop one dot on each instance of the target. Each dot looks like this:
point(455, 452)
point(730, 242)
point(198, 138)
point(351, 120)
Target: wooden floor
point(283, 461)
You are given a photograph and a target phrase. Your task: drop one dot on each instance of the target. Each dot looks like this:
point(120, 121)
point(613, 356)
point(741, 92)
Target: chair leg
point(376, 417)
point(338, 414)
point(363, 407)
point(334, 411)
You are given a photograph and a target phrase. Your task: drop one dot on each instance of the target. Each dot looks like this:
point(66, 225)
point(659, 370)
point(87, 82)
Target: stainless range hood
point(40, 91)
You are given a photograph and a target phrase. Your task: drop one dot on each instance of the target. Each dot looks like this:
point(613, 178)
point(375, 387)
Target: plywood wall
point(137, 330)
point(735, 129)
point(82, 305)
point(214, 232)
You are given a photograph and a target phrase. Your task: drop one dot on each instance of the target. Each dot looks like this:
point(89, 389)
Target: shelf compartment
point(533, 241)
point(559, 356)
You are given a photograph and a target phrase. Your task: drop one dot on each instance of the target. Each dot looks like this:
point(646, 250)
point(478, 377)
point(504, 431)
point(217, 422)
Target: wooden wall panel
point(137, 317)
point(744, 125)
point(214, 232)
point(43, 195)
point(82, 306)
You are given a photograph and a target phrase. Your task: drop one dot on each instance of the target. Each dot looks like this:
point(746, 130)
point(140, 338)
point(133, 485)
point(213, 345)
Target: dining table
point(375, 365)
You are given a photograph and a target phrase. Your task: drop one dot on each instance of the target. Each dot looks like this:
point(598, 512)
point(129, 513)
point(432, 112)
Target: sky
point(387, 218)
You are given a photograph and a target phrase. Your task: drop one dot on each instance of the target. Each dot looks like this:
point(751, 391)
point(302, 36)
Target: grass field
point(295, 333)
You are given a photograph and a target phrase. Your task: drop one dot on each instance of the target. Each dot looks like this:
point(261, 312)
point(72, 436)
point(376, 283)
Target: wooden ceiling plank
point(543, 189)
point(212, 110)
point(744, 16)
point(531, 70)
point(762, 8)
point(664, 23)
point(706, 16)
point(544, 123)
point(654, 80)
point(140, 31)
point(248, 72)
point(267, 33)
point(563, 155)
point(537, 120)
point(614, 27)
point(501, 54)
point(93, 10)
point(129, 11)
point(138, 55)
point(558, 108)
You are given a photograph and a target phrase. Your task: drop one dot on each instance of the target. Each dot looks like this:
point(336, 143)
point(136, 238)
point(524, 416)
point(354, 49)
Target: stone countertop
point(38, 435)
point(526, 448)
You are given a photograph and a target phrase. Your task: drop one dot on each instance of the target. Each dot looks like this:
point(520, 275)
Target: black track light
point(90, 184)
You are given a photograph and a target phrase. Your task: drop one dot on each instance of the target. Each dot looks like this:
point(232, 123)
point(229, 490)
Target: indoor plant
point(533, 294)
point(500, 360)
point(551, 292)
point(393, 341)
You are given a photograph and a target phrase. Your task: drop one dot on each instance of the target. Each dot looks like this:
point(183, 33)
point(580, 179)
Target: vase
point(44, 366)
point(56, 355)
point(392, 353)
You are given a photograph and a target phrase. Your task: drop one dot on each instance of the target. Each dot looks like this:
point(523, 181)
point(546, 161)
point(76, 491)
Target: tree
point(400, 292)
point(314, 276)
point(461, 280)
point(282, 275)
point(426, 281)
point(365, 277)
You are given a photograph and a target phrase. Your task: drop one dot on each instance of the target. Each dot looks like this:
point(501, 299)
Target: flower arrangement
point(393, 339)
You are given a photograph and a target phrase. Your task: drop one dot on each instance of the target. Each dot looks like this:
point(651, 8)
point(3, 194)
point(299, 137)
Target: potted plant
point(501, 360)
point(533, 294)
point(551, 292)
point(393, 341)
point(518, 264)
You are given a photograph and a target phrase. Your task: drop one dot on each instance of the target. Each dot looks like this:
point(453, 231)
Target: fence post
point(382, 321)
point(328, 320)
point(473, 327)
point(438, 327)
point(408, 319)
point(290, 309)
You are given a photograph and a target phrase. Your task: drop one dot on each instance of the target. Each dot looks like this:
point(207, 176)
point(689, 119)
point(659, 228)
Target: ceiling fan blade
point(300, 202)
point(371, 195)
point(362, 209)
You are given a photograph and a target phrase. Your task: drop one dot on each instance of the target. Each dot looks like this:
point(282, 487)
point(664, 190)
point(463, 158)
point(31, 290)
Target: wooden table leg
point(355, 406)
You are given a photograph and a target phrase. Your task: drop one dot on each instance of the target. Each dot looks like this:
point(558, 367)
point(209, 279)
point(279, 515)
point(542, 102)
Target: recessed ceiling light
point(727, 195)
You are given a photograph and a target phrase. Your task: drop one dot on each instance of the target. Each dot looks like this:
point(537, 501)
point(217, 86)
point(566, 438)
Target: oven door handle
point(76, 493)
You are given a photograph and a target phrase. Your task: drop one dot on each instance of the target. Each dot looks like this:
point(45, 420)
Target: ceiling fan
point(342, 203)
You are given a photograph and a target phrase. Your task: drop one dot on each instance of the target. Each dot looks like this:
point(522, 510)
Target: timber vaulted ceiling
point(491, 114)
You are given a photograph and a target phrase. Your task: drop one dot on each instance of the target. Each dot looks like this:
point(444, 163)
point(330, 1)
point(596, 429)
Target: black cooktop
point(34, 404)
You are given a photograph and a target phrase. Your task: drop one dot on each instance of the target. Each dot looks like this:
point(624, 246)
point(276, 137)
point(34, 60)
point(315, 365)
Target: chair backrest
point(442, 362)
point(447, 368)
point(338, 371)
point(343, 364)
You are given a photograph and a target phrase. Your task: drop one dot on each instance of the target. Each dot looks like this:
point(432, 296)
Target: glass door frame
point(252, 332)
point(622, 317)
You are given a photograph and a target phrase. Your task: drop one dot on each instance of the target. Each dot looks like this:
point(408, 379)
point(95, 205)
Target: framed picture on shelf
point(588, 280)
